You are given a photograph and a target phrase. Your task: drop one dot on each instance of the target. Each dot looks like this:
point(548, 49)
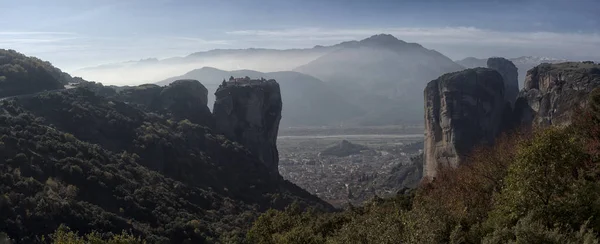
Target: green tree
point(547, 181)
point(64, 235)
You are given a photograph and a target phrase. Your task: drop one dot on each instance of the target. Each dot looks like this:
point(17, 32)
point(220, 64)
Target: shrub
point(64, 235)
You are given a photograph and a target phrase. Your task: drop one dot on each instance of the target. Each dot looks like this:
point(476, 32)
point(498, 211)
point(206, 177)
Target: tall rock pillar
point(248, 112)
point(510, 75)
point(462, 110)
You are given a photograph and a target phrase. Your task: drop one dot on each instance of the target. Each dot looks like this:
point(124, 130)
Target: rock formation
point(510, 75)
point(182, 99)
point(467, 108)
point(344, 148)
point(523, 63)
point(552, 91)
point(187, 99)
point(248, 111)
point(145, 95)
point(462, 109)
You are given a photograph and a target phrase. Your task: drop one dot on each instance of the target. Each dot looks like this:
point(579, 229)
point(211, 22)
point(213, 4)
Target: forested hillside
point(20, 74)
point(94, 164)
point(539, 186)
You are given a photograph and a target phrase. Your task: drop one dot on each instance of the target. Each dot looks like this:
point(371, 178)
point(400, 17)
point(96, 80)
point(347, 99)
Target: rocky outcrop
point(510, 75)
point(181, 99)
point(553, 91)
point(468, 108)
point(146, 95)
point(248, 111)
point(187, 99)
point(462, 109)
point(523, 63)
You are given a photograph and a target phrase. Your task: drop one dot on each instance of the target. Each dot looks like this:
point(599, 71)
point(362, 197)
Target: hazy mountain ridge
point(374, 81)
point(383, 75)
point(273, 60)
point(265, 60)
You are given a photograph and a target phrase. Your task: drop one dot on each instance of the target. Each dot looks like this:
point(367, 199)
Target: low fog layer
point(149, 71)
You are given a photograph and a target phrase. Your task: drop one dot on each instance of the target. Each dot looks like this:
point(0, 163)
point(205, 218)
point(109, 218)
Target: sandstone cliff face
point(510, 75)
point(249, 111)
point(552, 91)
point(462, 109)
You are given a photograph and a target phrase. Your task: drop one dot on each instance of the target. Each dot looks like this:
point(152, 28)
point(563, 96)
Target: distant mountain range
point(151, 70)
point(523, 63)
point(383, 75)
point(375, 81)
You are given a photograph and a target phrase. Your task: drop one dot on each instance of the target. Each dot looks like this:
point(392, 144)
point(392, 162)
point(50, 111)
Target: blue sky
point(78, 33)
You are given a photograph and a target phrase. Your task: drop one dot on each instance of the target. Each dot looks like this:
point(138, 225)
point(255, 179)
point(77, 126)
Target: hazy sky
point(77, 33)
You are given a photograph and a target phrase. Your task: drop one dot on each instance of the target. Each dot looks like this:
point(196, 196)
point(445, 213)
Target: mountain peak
point(385, 39)
point(209, 68)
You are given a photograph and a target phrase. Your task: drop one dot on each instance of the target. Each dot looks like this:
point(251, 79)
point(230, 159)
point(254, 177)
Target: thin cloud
point(30, 33)
point(27, 37)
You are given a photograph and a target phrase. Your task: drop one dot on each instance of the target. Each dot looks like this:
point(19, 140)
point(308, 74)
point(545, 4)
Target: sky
point(73, 34)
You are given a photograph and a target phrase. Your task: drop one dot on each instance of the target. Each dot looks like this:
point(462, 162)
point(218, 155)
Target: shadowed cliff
point(248, 111)
point(462, 109)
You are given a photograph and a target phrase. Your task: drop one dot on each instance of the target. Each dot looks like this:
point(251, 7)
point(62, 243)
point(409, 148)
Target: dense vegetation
point(99, 165)
point(534, 186)
point(20, 74)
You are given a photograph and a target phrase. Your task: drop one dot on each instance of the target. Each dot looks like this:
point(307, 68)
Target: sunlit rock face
point(553, 91)
point(249, 111)
point(462, 110)
point(510, 75)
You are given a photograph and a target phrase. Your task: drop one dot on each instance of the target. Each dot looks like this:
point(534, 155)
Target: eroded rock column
point(462, 110)
point(249, 111)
